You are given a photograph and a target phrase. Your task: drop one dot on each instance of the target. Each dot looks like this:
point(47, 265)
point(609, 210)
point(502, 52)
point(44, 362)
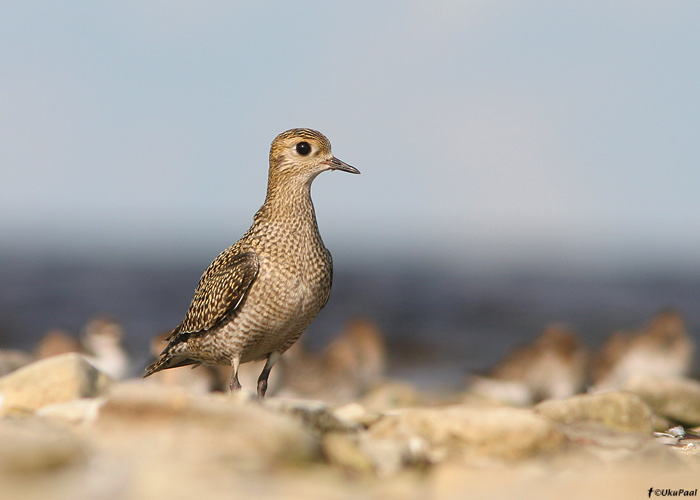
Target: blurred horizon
point(488, 256)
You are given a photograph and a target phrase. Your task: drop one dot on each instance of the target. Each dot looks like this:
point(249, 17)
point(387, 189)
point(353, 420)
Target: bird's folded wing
point(220, 292)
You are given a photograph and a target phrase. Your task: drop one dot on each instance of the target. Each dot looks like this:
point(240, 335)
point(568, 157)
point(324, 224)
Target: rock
point(620, 411)
point(343, 450)
point(52, 380)
point(355, 415)
point(434, 434)
point(73, 413)
point(361, 453)
point(315, 415)
point(30, 445)
point(510, 392)
point(608, 446)
point(390, 394)
point(149, 423)
point(675, 398)
point(688, 450)
point(12, 359)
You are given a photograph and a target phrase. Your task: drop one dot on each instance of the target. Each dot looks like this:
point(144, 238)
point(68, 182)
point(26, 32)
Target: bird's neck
point(289, 200)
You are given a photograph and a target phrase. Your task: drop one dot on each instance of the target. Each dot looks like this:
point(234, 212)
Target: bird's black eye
point(303, 148)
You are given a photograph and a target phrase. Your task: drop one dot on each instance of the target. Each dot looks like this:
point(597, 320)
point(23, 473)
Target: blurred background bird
point(662, 348)
point(553, 366)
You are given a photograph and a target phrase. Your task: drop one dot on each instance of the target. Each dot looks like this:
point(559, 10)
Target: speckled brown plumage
point(259, 295)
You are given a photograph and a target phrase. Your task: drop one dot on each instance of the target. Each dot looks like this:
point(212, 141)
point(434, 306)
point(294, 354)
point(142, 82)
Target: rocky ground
point(68, 431)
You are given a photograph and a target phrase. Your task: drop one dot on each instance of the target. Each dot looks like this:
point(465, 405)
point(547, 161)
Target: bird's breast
point(296, 285)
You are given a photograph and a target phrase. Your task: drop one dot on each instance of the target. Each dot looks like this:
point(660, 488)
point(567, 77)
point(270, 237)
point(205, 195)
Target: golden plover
point(259, 295)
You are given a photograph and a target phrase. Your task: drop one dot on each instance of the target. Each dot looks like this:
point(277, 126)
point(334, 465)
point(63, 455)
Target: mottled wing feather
point(220, 292)
point(329, 259)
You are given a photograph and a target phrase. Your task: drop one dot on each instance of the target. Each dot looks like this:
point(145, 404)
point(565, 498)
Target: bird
point(552, 366)
point(102, 338)
point(342, 372)
point(55, 342)
point(661, 349)
point(258, 296)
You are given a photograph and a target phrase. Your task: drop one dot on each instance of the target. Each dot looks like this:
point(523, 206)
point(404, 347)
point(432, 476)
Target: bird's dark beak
point(336, 164)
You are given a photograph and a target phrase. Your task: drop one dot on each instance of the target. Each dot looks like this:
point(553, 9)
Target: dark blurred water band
point(438, 323)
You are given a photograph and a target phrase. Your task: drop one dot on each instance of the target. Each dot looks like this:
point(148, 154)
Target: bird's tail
point(157, 366)
point(167, 360)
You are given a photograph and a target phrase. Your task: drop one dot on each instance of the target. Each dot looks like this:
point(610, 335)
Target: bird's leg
point(262, 380)
point(234, 384)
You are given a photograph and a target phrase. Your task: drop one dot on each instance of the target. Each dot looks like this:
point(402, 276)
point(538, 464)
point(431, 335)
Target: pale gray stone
point(433, 434)
point(151, 423)
point(30, 445)
point(620, 411)
point(315, 415)
point(51, 380)
point(675, 398)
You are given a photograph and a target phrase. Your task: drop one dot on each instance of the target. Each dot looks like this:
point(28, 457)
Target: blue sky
point(487, 132)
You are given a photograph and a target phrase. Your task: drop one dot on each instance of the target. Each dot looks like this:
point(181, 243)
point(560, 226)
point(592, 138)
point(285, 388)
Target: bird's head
point(302, 153)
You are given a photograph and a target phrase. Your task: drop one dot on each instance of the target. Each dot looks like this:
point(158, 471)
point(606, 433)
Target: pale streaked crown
point(285, 147)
